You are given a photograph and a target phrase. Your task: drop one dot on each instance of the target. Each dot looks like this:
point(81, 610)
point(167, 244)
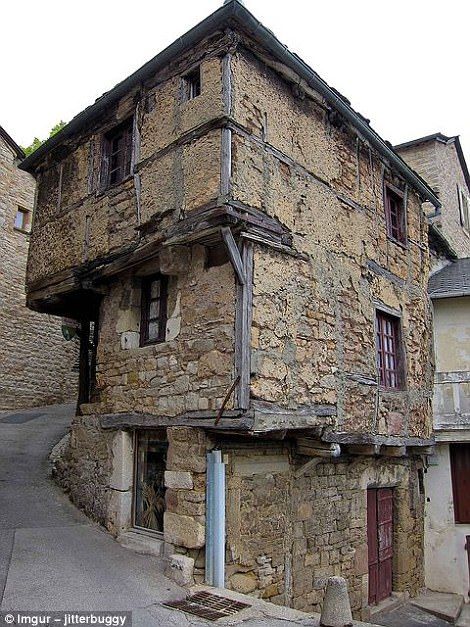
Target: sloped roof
point(11, 142)
point(234, 14)
point(452, 281)
point(440, 137)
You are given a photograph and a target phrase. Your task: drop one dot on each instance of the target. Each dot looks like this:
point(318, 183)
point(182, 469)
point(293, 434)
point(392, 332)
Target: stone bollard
point(336, 610)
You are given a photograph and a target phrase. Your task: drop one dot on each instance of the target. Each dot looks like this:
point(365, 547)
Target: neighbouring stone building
point(440, 160)
point(251, 259)
point(36, 363)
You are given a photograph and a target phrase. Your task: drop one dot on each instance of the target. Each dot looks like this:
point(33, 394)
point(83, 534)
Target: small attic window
point(192, 84)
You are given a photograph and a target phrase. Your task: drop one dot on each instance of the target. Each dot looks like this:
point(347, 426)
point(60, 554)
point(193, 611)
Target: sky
point(402, 63)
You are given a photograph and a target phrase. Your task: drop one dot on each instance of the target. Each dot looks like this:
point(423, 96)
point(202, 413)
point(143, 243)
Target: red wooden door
point(380, 542)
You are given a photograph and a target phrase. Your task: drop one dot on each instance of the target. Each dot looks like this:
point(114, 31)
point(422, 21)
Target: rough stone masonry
point(259, 194)
point(36, 363)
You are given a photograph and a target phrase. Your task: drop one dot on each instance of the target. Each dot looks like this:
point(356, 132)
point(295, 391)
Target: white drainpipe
point(215, 520)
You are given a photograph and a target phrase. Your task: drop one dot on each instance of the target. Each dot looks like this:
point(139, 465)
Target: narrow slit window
point(117, 154)
point(395, 213)
point(388, 351)
point(154, 310)
point(192, 84)
point(23, 220)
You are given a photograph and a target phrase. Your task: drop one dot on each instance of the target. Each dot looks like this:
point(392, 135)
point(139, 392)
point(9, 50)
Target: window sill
point(382, 388)
point(114, 186)
point(23, 231)
point(151, 343)
point(403, 245)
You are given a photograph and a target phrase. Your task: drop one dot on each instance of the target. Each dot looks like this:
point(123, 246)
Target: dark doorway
point(380, 543)
point(149, 484)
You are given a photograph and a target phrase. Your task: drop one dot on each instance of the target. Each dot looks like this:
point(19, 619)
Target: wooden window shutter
point(460, 471)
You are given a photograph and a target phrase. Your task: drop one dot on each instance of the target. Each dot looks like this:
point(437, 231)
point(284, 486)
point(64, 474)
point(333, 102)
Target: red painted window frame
point(146, 302)
point(389, 353)
point(395, 214)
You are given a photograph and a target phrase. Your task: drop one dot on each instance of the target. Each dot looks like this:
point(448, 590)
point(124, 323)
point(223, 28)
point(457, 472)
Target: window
point(149, 483)
point(460, 470)
point(23, 220)
point(395, 213)
point(388, 350)
point(117, 154)
point(464, 208)
point(154, 310)
point(192, 84)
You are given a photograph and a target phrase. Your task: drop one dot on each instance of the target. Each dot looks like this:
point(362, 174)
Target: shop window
point(460, 469)
point(149, 483)
point(154, 310)
point(395, 216)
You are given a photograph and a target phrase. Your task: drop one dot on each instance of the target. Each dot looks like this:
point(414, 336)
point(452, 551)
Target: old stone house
point(36, 363)
point(252, 261)
point(440, 160)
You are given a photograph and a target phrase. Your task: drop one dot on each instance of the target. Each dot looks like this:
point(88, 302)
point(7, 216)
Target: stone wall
point(194, 368)
point(438, 163)
point(37, 365)
point(290, 528)
point(313, 333)
point(177, 170)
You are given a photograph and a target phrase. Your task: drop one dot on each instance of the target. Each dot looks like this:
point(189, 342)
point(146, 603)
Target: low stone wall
point(84, 468)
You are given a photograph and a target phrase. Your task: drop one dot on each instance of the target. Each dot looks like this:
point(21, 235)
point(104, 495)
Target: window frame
point(464, 209)
point(146, 301)
point(386, 374)
point(461, 511)
point(26, 222)
point(192, 83)
point(126, 128)
point(400, 237)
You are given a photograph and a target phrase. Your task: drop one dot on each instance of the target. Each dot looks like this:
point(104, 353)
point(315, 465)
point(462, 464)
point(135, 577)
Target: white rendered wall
point(446, 563)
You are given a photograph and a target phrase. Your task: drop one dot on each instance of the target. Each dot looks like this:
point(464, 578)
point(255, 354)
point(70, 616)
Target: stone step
point(441, 604)
point(141, 542)
point(464, 618)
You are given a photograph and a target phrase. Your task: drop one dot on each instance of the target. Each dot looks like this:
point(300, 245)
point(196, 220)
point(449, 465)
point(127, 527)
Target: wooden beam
point(231, 421)
point(84, 365)
point(243, 316)
point(315, 448)
point(234, 254)
point(362, 449)
point(393, 451)
point(421, 450)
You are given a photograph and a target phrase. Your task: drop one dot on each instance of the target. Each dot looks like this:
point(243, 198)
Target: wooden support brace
point(234, 254)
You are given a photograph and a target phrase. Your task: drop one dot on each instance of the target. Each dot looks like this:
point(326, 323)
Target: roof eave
point(11, 142)
point(450, 294)
point(246, 20)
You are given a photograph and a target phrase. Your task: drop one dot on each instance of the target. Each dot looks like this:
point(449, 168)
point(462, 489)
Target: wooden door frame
point(374, 489)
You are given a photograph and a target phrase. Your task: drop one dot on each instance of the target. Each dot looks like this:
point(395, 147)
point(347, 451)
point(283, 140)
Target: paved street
point(52, 557)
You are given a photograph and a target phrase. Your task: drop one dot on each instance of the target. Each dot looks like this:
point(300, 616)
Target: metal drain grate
point(208, 606)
